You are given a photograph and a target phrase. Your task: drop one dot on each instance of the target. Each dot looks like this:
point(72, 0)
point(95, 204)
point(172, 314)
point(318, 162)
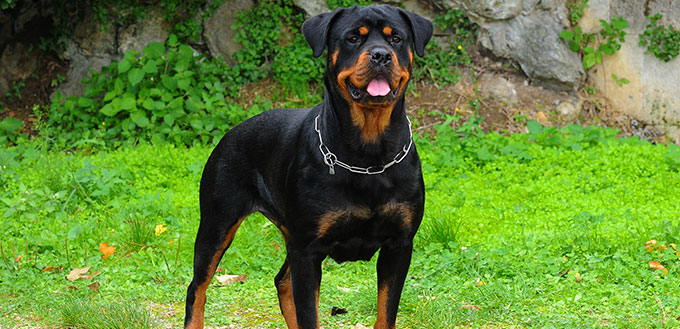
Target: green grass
point(537, 231)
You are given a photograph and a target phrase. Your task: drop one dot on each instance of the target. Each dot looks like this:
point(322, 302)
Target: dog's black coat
point(272, 163)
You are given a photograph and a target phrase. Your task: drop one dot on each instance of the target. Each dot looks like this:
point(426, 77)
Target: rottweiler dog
point(340, 180)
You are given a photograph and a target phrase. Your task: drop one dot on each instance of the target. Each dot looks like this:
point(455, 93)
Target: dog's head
point(370, 56)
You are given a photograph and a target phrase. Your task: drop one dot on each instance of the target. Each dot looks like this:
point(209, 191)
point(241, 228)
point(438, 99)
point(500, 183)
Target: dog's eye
point(396, 39)
point(353, 40)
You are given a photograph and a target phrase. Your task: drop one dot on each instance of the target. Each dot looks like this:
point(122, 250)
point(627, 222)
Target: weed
point(662, 41)
point(15, 92)
point(612, 34)
point(456, 21)
point(576, 10)
point(93, 313)
point(7, 4)
point(8, 128)
point(269, 32)
point(59, 79)
point(439, 65)
point(334, 4)
point(165, 93)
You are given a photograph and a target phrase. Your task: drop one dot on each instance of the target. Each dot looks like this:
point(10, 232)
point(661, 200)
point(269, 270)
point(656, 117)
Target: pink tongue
point(378, 87)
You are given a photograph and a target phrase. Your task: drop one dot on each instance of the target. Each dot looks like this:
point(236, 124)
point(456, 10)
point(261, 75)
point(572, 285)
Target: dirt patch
point(34, 90)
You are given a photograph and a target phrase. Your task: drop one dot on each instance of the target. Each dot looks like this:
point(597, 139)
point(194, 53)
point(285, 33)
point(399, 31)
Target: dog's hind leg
point(221, 214)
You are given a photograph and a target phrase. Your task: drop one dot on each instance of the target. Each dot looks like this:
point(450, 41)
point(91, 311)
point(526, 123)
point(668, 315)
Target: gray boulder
point(534, 43)
point(80, 64)
point(16, 63)
point(312, 7)
point(217, 31)
point(138, 35)
point(526, 32)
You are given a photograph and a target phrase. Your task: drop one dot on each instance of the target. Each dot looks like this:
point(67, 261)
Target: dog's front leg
point(393, 264)
point(305, 279)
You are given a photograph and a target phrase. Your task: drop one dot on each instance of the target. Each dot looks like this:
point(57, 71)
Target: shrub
point(166, 93)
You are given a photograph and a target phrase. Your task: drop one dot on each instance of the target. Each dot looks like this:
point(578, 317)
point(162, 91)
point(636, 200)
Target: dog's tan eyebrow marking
point(363, 30)
point(335, 57)
point(387, 30)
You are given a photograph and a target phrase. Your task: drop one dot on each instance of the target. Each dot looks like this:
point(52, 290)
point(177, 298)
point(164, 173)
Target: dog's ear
point(315, 30)
point(422, 30)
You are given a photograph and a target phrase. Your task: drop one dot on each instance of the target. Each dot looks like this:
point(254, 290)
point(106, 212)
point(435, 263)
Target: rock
point(568, 111)
point(139, 34)
point(92, 39)
point(4, 85)
point(527, 32)
point(311, 7)
point(28, 10)
point(5, 31)
point(90, 48)
point(80, 64)
point(217, 31)
point(16, 62)
point(652, 94)
point(498, 89)
point(484, 10)
point(533, 41)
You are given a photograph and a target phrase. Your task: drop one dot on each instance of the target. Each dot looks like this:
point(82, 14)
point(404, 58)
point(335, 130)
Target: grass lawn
point(526, 231)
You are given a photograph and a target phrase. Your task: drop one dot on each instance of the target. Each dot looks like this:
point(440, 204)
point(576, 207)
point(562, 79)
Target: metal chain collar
point(331, 160)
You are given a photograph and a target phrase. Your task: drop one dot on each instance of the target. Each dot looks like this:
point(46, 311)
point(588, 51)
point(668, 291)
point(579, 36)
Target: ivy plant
point(662, 41)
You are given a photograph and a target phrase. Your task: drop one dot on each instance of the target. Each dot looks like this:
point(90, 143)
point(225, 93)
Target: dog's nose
point(381, 56)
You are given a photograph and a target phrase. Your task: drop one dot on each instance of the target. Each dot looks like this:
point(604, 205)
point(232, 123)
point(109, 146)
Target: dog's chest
point(356, 233)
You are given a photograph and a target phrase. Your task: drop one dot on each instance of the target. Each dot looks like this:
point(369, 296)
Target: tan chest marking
point(403, 212)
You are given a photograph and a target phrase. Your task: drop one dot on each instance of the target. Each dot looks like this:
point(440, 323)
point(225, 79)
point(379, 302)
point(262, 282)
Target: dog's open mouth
point(378, 90)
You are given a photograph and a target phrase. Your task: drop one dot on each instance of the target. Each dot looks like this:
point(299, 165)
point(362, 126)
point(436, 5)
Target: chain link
point(331, 160)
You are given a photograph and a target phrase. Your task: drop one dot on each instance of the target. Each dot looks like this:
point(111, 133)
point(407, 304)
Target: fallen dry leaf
point(49, 268)
point(658, 266)
point(227, 279)
point(90, 276)
point(76, 273)
point(106, 249)
point(470, 307)
point(359, 326)
point(18, 259)
point(541, 117)
point(94, 286)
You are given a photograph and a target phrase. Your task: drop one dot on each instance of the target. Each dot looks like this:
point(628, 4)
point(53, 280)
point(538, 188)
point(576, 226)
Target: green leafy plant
point(269, 33)
point(59, 79)
point(334, 4)
point(620, 81)
point(456, 21)
point(7, 4)
point(15, 92)
point(576, 10)
point(295, 66)
point(165, 93)
point(612, 34)
point(661, 40)
point(8, 128)
point(440, 66)
point(672, 157)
